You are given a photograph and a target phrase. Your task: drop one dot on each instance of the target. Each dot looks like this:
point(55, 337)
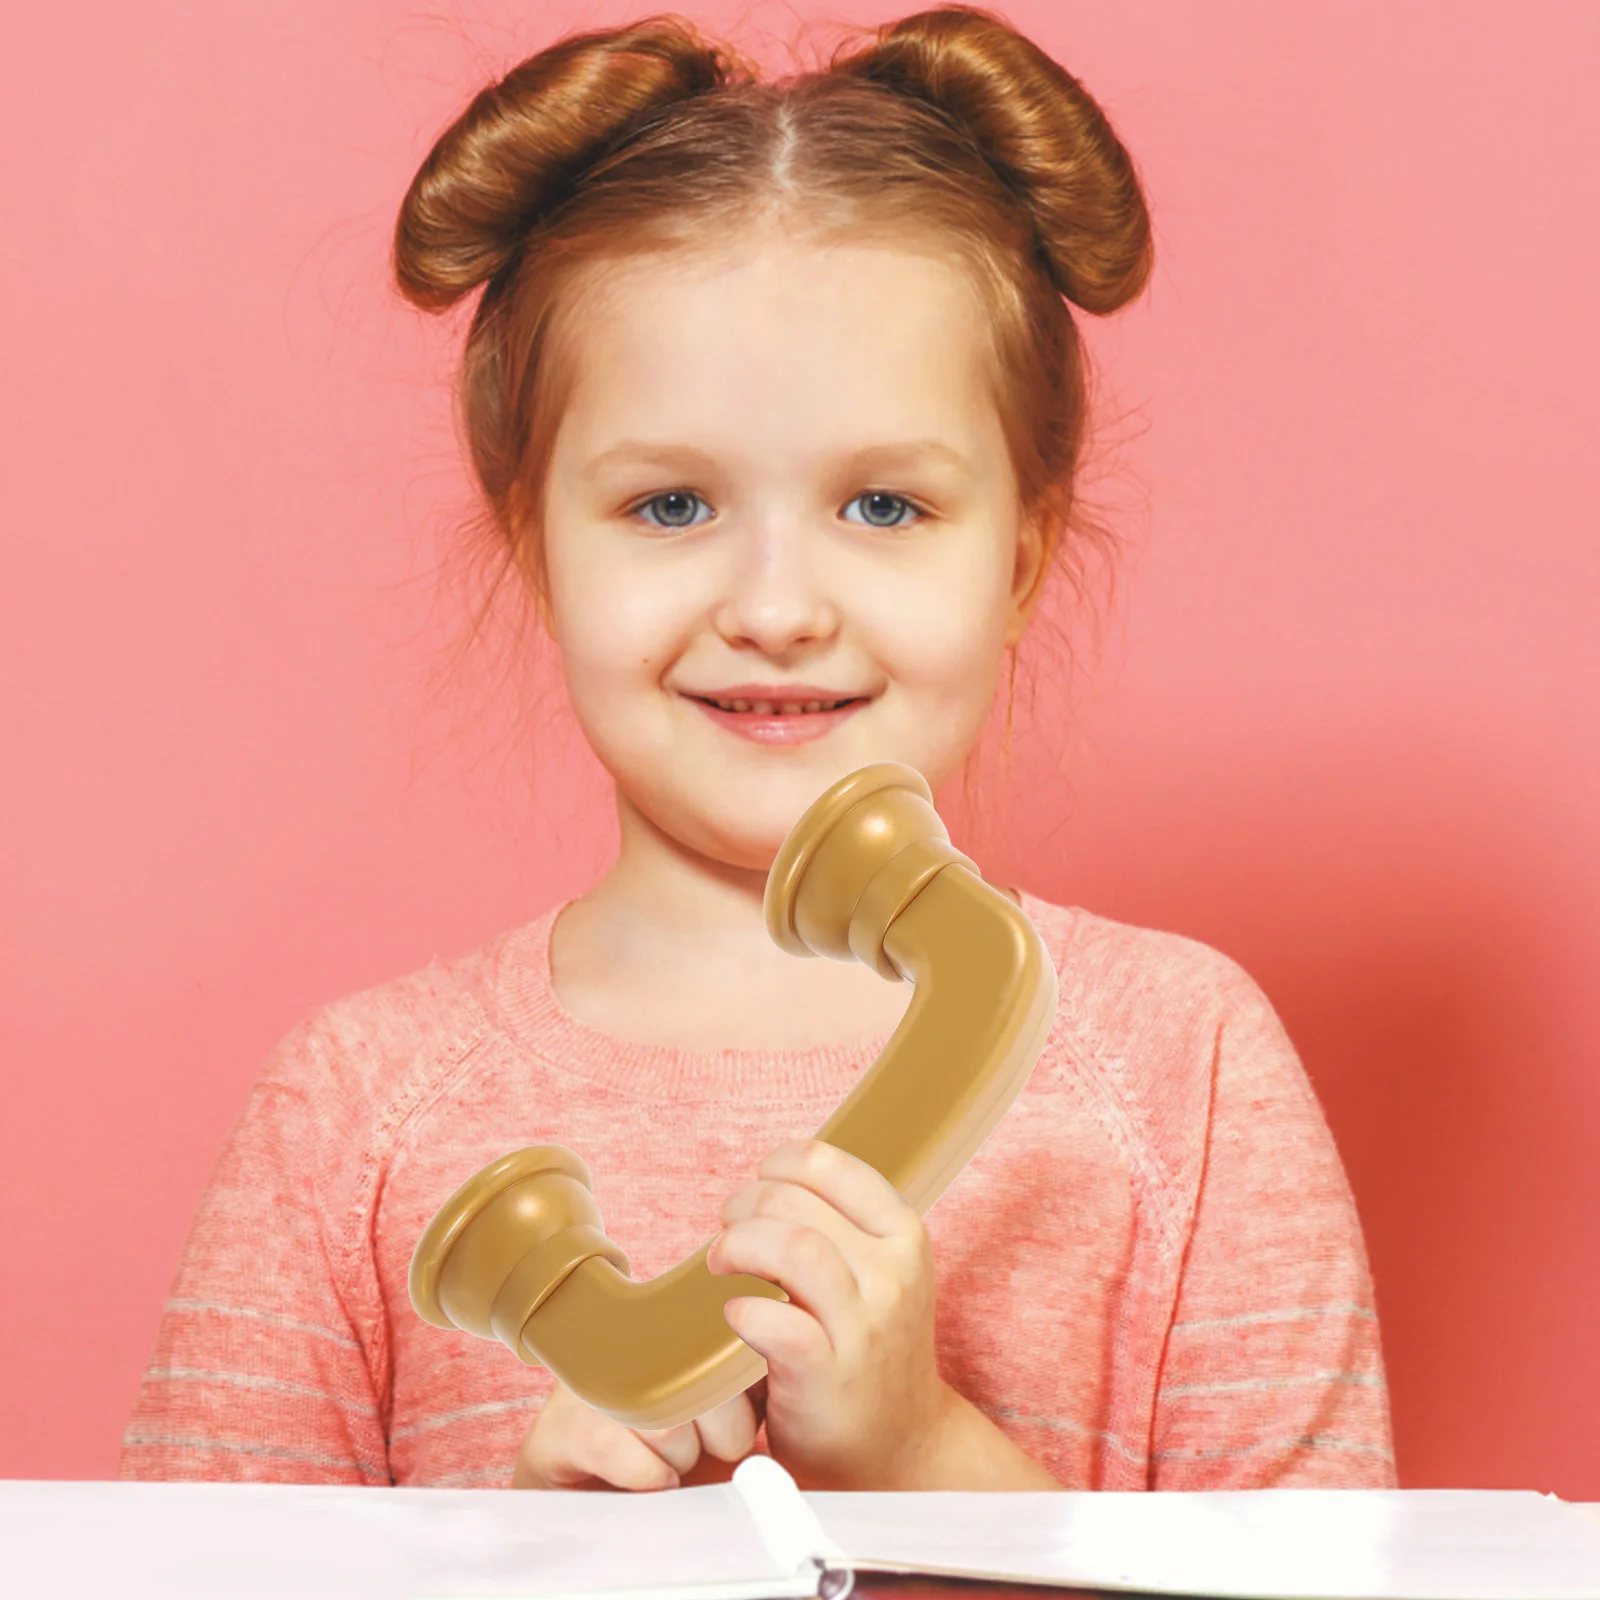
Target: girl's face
point(782, 533)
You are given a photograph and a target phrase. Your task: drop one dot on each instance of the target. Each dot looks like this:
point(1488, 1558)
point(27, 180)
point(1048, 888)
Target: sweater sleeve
point(1273, 1372)
point(260, 1370)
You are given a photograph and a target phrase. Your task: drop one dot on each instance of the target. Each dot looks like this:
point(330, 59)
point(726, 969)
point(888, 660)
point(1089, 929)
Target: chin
point(750, 838)
point(736, 803)
point(743, 821)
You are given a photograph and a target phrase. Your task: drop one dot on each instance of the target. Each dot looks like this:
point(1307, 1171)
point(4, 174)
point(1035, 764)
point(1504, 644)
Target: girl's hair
point(948, 131)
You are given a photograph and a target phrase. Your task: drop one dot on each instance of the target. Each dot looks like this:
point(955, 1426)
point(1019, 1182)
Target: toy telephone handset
point(518, 1252)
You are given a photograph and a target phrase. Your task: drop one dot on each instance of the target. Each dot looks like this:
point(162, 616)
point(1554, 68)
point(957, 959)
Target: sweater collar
point(531, 1011)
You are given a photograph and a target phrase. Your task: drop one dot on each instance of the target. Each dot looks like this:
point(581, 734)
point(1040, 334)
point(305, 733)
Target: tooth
point(813, 705)
point(791, 708)
point(762, 708)
point(738, 705)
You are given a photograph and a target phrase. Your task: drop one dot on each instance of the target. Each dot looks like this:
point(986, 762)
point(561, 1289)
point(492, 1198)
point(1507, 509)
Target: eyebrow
point(906, 453)
point(911, 452)
point(637, 452)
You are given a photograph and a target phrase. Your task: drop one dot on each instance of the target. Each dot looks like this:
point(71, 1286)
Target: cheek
point(942, 633)
point(616, 624)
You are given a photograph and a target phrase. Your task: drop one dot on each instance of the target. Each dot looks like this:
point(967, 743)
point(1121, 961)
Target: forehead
point(781, 342)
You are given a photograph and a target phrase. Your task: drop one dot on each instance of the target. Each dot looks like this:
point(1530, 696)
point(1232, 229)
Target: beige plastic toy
point(518, 1253)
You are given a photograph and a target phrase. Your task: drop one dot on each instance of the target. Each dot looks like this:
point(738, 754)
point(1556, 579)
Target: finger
point(794, 1342)
point(626, 1460)
point(728, 1431)
point(858, 1192)
point(679, 1447)
point(796, 1204)
point(578, 1457)
point(805, 1264)
point(790, 1202)
point(756, 1394)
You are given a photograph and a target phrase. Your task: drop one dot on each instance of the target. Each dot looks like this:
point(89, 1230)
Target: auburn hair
point(616, 143)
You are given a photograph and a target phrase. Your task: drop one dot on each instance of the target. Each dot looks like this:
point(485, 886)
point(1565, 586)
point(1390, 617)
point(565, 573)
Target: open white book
point(759, 1538)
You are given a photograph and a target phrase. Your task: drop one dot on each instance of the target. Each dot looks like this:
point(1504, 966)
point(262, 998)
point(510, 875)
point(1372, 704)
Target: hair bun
point(517, 149)
point(1040, 131)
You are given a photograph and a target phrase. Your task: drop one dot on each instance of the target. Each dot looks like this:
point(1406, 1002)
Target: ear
point(1036, 541)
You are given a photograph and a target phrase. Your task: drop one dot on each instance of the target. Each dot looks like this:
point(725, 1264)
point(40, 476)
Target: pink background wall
point(1347, 727)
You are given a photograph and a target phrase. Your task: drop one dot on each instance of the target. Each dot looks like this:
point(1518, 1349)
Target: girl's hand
point(854, 1396)
point(573, 1446)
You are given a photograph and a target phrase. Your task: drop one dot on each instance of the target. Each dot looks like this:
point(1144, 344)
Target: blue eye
point(882, 510)
point(675, 508)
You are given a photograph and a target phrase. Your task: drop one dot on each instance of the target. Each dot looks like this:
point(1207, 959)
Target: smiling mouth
point(779, 708)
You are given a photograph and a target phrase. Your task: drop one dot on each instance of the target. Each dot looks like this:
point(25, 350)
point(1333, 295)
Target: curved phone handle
point(518, 1252)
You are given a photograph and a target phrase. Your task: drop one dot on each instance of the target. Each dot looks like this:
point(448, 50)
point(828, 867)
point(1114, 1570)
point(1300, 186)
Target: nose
point(775, 599)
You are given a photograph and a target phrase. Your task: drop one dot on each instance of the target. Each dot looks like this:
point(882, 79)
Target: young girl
point(776, 396)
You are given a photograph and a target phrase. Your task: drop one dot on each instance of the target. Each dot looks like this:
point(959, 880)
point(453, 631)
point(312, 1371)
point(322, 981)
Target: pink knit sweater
point(1151, 1276)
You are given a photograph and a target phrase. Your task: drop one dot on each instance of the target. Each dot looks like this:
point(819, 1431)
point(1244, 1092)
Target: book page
point(162, 1541)
point(138, 1541)
point(811, 1565)
point(1285, 1544)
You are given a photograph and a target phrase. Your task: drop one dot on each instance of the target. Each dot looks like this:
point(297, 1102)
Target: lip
point(775, 693)
point(779, 729)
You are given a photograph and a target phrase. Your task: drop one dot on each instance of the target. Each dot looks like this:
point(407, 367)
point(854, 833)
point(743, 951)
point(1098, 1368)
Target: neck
point(658, 888)
point(672, 947)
